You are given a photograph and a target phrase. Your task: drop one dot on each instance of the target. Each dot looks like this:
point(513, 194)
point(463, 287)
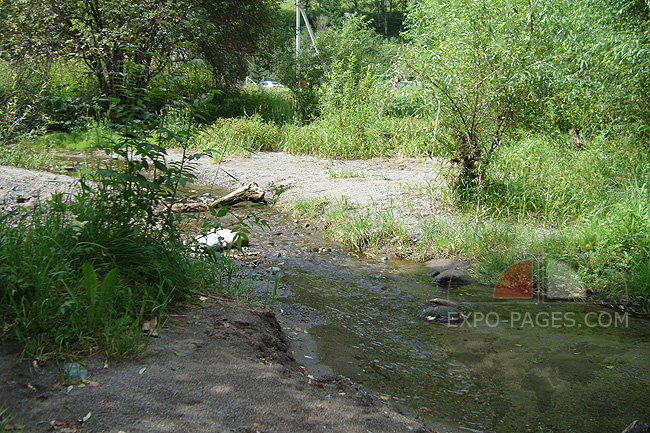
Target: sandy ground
point(409, 188)
point(225, 367)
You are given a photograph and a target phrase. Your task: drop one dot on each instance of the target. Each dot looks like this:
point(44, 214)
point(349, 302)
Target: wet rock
point(442, 314)
point(452, 278)
point(637, 427)
point(445, 302)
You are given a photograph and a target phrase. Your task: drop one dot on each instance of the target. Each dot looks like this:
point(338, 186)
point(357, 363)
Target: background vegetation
point(543, 109)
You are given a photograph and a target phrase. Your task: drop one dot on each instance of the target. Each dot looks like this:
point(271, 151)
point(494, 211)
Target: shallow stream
point(513, 366)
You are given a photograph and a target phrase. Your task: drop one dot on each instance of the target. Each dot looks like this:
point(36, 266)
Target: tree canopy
point(112, 36)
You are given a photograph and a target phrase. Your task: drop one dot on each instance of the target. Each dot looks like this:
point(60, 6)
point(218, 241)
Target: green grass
point(589, 209)
point(311, 208)
point(362, 231)
point(270, 104)
point(239, 136)
point(344, 174)
point(8, 422)
point(46, 304)
point(71, 281)
point(27, 155)
point(551, 182)
point(76, 140)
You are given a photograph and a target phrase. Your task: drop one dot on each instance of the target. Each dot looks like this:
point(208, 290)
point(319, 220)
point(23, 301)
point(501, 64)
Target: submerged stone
point(452, 278)
point(442, 314)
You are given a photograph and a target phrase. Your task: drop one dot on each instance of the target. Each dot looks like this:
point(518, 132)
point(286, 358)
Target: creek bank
point(464, 352)
point(224, 367)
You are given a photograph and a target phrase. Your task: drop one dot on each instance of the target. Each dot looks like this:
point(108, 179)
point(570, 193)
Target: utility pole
point(298, 41)
point(309, 30)
point(301, 11)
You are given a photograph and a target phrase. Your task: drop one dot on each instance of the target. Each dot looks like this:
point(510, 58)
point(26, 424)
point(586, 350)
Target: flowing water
point(513, 366)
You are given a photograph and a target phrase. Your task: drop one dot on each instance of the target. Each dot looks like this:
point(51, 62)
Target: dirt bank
point(220, 368)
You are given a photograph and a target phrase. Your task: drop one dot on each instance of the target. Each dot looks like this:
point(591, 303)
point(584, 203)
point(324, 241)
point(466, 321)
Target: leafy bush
point(351, 37)
point(474, 60)
point(45, 305)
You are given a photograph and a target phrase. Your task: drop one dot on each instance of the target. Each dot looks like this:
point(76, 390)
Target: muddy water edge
point(526, 366)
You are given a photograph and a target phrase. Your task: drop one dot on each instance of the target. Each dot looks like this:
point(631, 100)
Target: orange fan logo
point(516, 281)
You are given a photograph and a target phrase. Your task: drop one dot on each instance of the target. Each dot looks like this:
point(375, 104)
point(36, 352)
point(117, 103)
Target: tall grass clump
point(26, 155)
point(541, 178)
point(270, 104)
point(352, 123)
point(490, 245)
point(612, 249)
point(366, 231)
point(359, 230)
point(239, 136)
point(311, 208)
point(589, 206)
point(46, 306)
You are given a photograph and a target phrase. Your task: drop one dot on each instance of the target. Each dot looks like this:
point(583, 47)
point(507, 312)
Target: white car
point(271, 84)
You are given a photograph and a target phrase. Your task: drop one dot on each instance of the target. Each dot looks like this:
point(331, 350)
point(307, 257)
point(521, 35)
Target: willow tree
point(474, 59)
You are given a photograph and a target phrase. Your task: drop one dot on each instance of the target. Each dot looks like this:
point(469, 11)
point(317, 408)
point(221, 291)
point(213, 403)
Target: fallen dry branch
point(249, 192)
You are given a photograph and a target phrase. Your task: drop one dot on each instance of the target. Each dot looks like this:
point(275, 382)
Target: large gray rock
point(452, 278)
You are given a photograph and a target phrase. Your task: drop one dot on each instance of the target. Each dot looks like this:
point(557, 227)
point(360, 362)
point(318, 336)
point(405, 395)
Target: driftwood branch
point(250, 192)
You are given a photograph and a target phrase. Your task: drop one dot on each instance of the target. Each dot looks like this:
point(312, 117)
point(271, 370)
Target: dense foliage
point(476, 59)
point(110, 36)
